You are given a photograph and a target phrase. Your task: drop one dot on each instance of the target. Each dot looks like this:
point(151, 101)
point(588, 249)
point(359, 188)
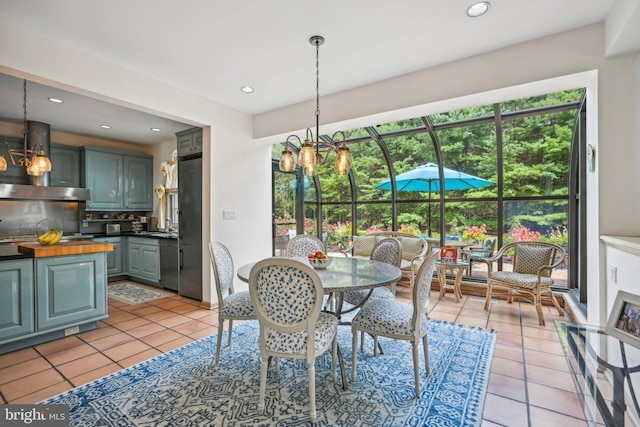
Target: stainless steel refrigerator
point(190, 226)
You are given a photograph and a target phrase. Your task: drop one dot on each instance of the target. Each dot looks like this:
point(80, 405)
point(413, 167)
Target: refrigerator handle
point(180, 259)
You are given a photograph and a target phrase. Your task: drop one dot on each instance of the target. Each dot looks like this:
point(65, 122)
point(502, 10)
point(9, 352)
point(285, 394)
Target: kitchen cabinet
point(143, 258)
point(70, 289)
point(65, 170)
point(49, 297)
point(16, 298)
point(117, 181)
point(115, 258)
point(189, 142)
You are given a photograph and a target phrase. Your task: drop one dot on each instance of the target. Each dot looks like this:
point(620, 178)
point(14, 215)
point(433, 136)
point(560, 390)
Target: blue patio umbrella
point(427, 178)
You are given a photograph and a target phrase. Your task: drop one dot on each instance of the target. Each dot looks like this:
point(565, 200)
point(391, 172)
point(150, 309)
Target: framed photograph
point(449, 255)
point(624, 319)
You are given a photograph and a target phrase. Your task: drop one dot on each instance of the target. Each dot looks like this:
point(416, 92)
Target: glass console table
point(601, 367)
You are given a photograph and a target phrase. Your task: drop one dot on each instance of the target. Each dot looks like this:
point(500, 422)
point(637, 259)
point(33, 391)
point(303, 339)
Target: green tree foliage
point(535, 150)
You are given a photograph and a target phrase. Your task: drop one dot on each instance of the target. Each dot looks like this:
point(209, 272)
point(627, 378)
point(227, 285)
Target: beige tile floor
point(529, 384)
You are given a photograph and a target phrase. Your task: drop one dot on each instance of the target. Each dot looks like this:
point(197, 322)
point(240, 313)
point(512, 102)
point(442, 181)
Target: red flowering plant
point(521, 233)
point(409, 229)
point(475, 233)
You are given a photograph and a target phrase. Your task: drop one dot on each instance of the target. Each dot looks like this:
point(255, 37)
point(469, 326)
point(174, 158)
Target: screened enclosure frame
point(497, 119)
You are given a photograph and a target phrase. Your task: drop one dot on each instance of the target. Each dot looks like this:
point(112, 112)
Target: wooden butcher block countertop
point(64, 248)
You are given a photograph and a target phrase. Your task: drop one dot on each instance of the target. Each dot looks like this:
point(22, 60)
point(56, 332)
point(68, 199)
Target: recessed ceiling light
point(105, 126)
point(478, 9)
point(155, 129)
point(247, 89)
point(56, 100)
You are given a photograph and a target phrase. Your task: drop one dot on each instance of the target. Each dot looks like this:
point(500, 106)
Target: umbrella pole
point(429, 213)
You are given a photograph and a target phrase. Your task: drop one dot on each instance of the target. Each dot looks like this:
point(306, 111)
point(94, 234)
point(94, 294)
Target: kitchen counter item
point(64, 248)
point(112, 229)
point(48, 232)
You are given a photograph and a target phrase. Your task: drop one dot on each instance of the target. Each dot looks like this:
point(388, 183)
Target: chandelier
point(34, 159)
point(313, 153)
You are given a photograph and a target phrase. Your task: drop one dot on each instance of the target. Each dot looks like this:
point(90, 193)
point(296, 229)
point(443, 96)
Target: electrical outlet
point(72, 330)
point(85, 224)
point(613, 274)
point(228, 214)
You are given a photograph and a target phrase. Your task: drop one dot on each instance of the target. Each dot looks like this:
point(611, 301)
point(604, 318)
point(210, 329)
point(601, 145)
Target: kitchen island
point(49, 292)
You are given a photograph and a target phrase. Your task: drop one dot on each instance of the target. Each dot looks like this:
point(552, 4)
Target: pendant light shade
point(343, 160)
point(307, 155)
point(287, 164)
point(3, 163)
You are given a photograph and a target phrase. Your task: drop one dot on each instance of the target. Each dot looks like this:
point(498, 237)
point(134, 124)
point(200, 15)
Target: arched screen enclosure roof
point(523, 147)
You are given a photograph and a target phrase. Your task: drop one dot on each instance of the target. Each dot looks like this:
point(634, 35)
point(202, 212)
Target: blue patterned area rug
point(182, 388)
point(135, 294)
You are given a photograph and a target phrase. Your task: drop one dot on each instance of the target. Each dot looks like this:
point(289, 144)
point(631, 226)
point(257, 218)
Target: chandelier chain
point(24, 107)
point(317, 91)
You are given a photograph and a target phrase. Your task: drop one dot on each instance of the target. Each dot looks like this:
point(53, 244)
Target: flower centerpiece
point(475, 233)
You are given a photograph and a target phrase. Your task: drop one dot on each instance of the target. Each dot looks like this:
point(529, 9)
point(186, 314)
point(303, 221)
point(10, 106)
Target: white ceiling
point(213, 47)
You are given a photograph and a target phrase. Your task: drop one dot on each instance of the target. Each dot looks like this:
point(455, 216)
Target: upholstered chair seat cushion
point(529, 281)
point(363, 245)
point(412, 247)
point(530, 259)
point(238, 305)
point(388, 317)
point(295, 343)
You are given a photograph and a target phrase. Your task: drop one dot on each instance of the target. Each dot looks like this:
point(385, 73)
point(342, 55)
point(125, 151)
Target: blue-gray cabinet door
point(115, 265)
point(189, 142)
point(16, 298)
point(70, 290)
point(65, 169)
point(103, 173)
point(143, 258)
point(138, 183)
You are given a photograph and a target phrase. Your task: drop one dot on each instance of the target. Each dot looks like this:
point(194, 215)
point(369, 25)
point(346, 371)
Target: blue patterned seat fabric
point(231, 305)
point(397, 320)
point(288, 296)
point(303, 245)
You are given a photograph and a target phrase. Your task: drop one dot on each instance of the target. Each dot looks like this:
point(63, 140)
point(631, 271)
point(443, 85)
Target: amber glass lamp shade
point(306, 156)
point(343, 160)
point(311, 170)
point(287, 164)
point(3, 163)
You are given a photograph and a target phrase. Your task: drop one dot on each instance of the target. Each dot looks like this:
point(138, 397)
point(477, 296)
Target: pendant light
point(316, 152)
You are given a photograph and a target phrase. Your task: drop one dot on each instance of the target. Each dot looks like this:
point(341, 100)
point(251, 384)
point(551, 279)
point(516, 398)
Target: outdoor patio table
point(345, 274)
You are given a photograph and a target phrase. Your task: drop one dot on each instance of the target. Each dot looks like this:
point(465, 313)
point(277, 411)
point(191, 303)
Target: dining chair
point(302, 245)
point(398, 320)
point(231, 305)
point(386, 250)
point(287, 295)
point(533, 262)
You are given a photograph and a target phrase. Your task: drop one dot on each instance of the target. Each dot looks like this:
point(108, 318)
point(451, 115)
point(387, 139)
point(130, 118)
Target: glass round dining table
point(346, 274)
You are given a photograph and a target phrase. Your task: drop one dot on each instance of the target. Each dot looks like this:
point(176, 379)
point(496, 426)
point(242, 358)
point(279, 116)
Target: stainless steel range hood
point(34, 192)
